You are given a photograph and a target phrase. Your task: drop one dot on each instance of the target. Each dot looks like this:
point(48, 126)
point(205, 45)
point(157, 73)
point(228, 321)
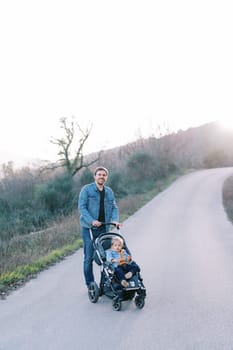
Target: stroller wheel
point(116, 305)
point(93, 292)
point(139, 301)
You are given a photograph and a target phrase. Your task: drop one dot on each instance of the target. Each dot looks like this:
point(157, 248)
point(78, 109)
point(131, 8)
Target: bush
point(216, 158)
point(56, 196)
point(116, 182)
point(228, 197)
point(86, 177)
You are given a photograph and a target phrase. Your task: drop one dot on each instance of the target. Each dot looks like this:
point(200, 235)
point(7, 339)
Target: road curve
point(184, 244)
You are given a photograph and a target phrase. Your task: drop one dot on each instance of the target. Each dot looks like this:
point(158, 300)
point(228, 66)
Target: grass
point(227, 196)
point(13, 279)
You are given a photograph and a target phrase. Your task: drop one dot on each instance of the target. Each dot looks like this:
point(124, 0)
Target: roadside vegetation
point(39, 223)
point(228, 197)
point(26, 255)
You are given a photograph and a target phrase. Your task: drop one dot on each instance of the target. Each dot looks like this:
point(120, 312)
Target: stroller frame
point(109, 285)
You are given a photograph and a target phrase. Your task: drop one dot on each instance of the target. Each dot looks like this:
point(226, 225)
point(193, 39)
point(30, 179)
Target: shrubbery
point(30, 202)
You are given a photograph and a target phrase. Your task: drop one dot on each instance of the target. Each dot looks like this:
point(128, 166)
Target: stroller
point(109, 284)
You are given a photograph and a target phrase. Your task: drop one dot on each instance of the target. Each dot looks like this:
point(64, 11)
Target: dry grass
point(22, 250)
point(228, 197)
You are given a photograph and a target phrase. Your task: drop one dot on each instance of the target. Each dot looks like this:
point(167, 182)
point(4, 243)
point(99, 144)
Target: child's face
point(116, 245)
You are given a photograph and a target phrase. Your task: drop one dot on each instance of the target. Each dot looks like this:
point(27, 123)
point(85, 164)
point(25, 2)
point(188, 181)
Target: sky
point(125, 67)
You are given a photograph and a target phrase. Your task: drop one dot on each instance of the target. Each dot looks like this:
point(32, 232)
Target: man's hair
point(100, 168)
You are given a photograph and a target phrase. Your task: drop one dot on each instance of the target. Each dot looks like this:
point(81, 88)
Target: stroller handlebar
point(109, 223)
point(103, 223)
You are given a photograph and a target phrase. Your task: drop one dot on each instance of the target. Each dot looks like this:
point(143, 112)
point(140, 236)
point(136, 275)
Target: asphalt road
point(184, 244)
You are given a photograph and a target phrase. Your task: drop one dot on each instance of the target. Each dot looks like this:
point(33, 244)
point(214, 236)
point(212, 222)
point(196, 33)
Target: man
point(96, 205)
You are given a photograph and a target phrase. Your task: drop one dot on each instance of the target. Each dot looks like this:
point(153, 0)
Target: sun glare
point(226, 123)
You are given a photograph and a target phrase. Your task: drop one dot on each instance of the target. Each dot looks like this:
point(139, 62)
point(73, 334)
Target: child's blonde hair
point(119, 239)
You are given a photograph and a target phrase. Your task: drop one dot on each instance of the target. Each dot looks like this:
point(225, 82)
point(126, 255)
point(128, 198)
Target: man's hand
point(118, 224)
point(96, 223)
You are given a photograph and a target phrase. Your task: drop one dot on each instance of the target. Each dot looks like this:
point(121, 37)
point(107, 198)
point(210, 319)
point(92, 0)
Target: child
point(122, 262)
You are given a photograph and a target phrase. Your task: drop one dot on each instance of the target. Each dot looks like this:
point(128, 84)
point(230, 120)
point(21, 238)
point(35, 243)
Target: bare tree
point(71, 148)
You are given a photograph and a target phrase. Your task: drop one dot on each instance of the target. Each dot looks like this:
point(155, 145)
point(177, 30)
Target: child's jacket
point(123, 256)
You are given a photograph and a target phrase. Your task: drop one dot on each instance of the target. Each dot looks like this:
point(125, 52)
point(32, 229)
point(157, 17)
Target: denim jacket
point(89, 204)
point(113, 254)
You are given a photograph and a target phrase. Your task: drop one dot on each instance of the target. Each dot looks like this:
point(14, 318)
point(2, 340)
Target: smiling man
point(96, 205)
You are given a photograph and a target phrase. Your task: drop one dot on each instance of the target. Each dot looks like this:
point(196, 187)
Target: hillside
point(205, 146)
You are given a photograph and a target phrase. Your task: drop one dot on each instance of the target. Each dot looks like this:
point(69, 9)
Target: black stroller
point(109, 284)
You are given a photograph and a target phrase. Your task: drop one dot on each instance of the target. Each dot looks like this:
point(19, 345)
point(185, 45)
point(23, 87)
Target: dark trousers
point(89, 251)
point(121, 270)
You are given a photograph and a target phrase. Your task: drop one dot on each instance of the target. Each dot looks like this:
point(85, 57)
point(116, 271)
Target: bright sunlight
point(226, 123)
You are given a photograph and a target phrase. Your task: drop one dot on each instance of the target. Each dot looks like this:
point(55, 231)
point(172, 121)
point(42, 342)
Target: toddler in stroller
point(122, 262)
point(120, 277)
